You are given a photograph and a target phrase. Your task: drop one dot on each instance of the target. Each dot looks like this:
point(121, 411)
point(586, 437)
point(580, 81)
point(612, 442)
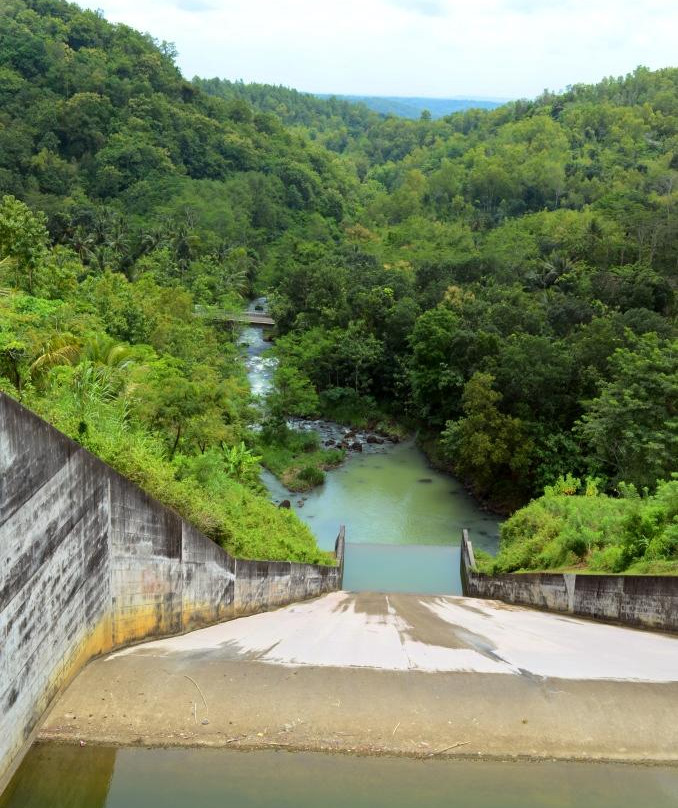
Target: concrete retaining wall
point(642, 601)
point(89, 563)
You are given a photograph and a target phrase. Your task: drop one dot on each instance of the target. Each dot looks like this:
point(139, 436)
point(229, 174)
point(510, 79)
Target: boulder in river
point(330, 442)
point(285, 504)
point(357, 447)
point(373, 439)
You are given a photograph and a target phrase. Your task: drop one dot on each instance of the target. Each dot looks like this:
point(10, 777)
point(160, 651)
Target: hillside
point(510, 279)
point(126, 197)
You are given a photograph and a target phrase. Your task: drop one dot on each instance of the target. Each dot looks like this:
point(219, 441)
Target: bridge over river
point(250, 317)
point(393, 673)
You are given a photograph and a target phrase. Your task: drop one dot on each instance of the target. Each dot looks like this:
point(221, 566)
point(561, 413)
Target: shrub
point(608, 534)
point(312, 475)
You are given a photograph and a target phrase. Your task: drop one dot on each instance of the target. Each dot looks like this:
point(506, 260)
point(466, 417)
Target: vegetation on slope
point(575, 528)
point(155, 198)
point(508, 283)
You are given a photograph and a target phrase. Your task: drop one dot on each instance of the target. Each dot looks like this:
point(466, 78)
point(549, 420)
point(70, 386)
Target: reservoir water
point(100, 777)
point(403, 519)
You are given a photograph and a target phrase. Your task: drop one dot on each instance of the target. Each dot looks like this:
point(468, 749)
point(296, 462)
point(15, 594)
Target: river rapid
point(403, 518)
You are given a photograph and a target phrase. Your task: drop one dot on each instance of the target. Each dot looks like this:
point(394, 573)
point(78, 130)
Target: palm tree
point(550, 270)
point(101, 352)
point(60, 349)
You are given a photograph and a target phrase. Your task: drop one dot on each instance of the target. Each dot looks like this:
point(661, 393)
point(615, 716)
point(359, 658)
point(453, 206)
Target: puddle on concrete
point(100, 777)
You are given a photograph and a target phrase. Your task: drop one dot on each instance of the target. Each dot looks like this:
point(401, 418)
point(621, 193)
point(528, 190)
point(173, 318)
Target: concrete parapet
point(89, 562)
point(642, 601)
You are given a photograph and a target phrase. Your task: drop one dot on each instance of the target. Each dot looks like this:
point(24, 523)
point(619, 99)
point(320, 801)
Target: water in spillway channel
point(54, 776)
point(403, 519)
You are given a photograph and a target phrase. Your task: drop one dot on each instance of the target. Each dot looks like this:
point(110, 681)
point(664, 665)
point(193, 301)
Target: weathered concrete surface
point(642, 601)
point(89, 562)
point(398, 674)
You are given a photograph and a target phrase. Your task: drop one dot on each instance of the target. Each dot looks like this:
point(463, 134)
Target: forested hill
point(503, 280)
point(323, 111)
point(292, 106)
point(510, 285)
point(126, 197)
point(94, 113)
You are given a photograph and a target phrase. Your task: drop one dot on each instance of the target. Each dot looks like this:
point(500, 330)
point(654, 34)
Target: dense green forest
point(503, 281)
point(127, 197)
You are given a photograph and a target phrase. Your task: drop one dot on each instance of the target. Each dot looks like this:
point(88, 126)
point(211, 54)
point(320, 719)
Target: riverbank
point(428, 443)
point(389, 675)
point(302, 451)
point(298, 459)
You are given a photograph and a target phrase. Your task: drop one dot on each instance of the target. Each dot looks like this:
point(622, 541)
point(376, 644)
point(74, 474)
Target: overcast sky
point(434, 48)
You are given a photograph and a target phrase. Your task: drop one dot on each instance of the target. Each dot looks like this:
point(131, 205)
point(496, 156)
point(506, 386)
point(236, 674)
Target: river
point(403, 519)
point(100, 777)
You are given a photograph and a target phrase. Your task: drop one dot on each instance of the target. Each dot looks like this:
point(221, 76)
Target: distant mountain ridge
point(412, 107)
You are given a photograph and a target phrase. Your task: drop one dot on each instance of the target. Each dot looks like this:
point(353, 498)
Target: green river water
point(99, 777)
point(403, 519)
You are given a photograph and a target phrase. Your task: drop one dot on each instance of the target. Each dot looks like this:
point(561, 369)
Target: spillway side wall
point(89, 562)
point(641, 601)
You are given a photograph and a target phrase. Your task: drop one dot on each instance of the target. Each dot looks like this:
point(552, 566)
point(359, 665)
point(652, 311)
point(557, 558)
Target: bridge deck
point(399, 674)
point(251, 317)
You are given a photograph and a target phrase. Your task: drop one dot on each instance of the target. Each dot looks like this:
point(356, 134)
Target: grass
point(236, 517)
point(591, 533)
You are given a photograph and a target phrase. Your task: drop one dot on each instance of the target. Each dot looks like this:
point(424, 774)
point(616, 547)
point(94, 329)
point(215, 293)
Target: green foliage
point(632, 426)
point(296, 458)
point(292, 394)
point(241, 463)
point(312, 475)
point(503, 279)
point(23, 244)
point(566, 529)
point(485, 445)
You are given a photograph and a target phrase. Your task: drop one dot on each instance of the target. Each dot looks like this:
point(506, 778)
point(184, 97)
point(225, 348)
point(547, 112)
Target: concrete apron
point(396, 674)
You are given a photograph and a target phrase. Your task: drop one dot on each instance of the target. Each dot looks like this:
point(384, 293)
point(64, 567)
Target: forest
point(500, 281)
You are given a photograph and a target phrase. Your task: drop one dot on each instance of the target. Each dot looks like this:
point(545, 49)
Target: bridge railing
point(222, 316)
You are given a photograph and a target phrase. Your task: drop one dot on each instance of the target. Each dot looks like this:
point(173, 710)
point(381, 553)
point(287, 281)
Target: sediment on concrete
point(90, 563)
point(378, 673)
point(641, 601)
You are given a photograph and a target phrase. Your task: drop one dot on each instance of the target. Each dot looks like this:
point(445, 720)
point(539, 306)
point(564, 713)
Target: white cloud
point(504, 48)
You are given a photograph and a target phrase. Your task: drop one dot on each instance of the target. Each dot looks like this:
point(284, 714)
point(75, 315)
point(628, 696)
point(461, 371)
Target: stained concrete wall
point(89, 563)
point(642, 601)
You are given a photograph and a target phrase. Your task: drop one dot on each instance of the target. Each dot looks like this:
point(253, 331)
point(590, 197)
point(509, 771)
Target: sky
point(431, 48)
